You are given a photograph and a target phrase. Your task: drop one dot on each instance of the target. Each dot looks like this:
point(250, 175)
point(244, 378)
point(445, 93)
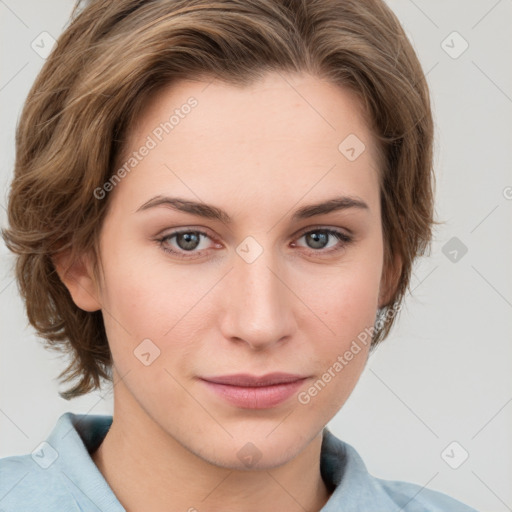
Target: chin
point(255, 452)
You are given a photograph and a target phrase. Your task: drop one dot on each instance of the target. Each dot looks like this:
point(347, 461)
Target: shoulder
point(24, 485)
point(415, 498)
point(356, 490)
point(59, 474)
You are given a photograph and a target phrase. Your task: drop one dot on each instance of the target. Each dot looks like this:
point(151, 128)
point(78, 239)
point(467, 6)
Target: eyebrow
point(212, 212)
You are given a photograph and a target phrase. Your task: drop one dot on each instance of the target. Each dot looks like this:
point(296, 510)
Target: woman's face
point(258, 282)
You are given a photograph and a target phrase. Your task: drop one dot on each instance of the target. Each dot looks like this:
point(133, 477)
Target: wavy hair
point(115, 54)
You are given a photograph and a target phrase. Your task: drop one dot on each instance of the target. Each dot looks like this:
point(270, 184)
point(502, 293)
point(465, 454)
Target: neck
point(149, 470)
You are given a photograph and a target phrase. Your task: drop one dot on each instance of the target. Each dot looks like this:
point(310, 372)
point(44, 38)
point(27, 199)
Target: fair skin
point(259, 153)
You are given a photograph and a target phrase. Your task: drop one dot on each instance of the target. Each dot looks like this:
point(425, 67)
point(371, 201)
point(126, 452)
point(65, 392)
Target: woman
point(217, 206)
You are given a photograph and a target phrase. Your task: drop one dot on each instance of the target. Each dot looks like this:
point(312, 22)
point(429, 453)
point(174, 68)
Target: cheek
point(347, 297)
point(340, 357)
point(348, 303)
point(128, 297)
point(356, 302)
point(351, 318)
point(152, 300)
point(134, 289)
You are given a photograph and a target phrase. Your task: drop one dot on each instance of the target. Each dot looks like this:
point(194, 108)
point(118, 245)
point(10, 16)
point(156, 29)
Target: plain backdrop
point(444, 374)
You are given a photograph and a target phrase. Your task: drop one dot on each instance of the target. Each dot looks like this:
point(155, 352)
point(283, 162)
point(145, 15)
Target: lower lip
point(263, 397)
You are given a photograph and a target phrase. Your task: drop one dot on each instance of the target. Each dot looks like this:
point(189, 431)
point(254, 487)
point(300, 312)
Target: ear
point(389, 281)
point(79, 279)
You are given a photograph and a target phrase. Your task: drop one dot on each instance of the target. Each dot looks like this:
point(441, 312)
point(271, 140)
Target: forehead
point(284, 130)
point(283, 106)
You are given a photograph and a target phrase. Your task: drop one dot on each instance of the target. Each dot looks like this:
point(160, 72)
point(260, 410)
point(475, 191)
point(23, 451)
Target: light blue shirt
point(60, 475)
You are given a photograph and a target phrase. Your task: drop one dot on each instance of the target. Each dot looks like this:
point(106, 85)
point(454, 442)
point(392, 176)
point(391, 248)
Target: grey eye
point(319, 239)
point(188, 241)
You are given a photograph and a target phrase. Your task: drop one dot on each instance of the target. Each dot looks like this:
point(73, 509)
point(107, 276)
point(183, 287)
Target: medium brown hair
point(115, 54)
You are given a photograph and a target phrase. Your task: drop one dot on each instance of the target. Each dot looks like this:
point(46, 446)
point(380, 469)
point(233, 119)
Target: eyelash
point(341, 236)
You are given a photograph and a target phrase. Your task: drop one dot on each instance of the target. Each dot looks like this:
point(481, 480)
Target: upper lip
point(247, 380)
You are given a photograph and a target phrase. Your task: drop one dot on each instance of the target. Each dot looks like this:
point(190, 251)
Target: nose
point(259, 303)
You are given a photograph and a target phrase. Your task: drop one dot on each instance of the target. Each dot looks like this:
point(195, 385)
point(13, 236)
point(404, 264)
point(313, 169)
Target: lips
point(255, 392)
point(246, 380)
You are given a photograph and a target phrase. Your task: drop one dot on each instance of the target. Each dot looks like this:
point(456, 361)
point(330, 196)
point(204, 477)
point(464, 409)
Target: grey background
point(444, 374)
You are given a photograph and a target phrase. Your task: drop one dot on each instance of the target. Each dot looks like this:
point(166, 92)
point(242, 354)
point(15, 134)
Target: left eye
point(188, 241)
point(317, 240)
